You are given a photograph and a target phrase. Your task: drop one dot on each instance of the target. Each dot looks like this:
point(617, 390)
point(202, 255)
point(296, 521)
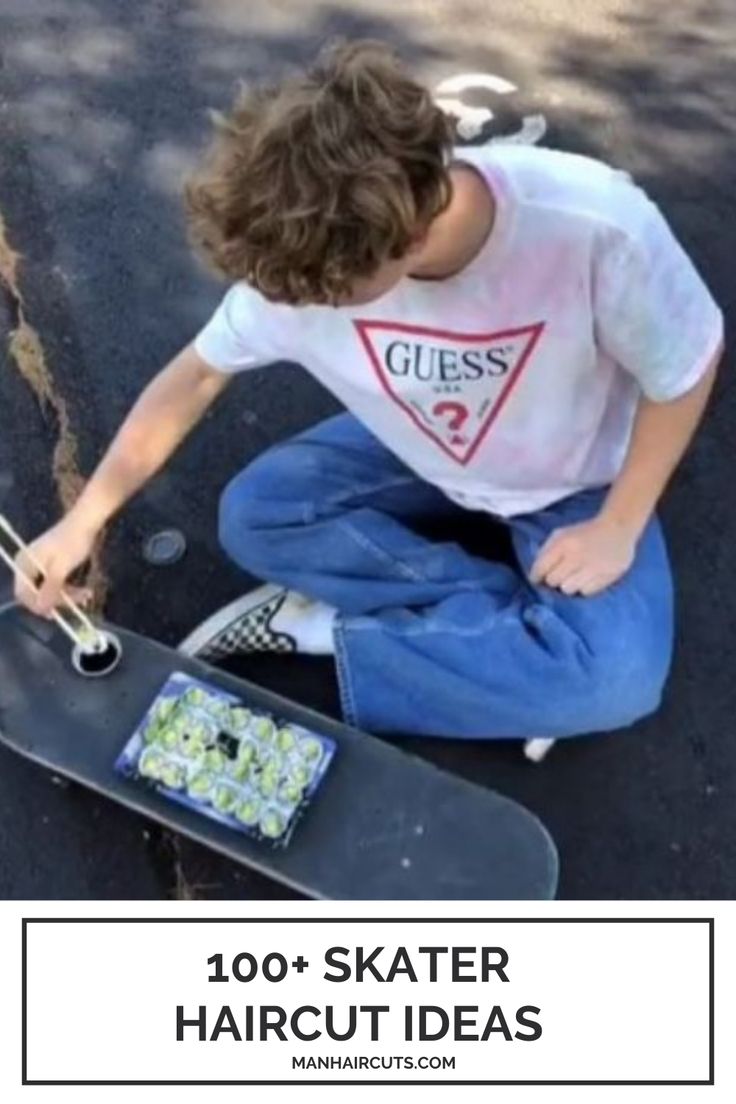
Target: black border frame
point(710, 921)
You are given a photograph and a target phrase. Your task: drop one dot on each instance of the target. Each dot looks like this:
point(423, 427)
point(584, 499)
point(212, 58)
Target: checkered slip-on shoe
point(243, 626)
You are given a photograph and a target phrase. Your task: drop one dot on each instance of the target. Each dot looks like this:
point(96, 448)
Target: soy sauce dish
point(99, 663)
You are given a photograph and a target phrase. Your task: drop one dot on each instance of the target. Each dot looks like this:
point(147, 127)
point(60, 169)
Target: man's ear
point(419, 240)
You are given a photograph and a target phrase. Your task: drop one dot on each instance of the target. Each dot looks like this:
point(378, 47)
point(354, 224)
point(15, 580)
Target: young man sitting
point(514, 331)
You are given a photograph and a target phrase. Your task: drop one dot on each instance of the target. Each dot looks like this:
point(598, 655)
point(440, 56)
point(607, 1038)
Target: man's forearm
point(661, 433)
point(164, 414)
point(125, 468)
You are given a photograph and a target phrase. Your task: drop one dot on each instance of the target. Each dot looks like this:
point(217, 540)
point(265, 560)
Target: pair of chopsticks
point(83, 634)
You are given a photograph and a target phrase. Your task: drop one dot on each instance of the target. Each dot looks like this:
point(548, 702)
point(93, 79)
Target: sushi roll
point(246, 752)
point(290, 793)
point(219, 709)
point(151, 763)
point(169, 737)
point(201, 785)
point(286, 739)
point(195, 696)
point(173, 776)
point(272, 823)
point(239, 719)
point(263, 729)
point(271, 759)
point(300, 774)
point(239, 772)
point(249, 810)
point(88, 637)
point(310, 749)
point(268, 784)
point(215, 760)
point(198, 730)
point(181, 723)
point(224, 797)
point(164, 708)
point(272, 766)
point(192, 747)
point(193, 742)
point(151, 733)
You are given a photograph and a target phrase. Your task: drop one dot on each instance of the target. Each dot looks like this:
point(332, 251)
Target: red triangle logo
point(453, 386)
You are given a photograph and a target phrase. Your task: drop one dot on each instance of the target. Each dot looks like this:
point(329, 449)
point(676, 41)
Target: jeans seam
point(344, 680)
point(310, 514)
point(396, 481)
point(368, 545)
point(373, 623)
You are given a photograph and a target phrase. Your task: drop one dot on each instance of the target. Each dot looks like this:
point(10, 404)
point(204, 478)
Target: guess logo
point(452, 386)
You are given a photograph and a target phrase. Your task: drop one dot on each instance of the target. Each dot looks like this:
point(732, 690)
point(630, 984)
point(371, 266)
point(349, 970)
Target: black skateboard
point(383, 825)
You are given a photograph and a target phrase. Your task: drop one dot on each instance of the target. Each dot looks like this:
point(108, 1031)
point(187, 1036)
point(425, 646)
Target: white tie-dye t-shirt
point(515, 382)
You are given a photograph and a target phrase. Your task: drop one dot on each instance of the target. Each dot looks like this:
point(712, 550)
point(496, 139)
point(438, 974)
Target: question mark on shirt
point(458, 416)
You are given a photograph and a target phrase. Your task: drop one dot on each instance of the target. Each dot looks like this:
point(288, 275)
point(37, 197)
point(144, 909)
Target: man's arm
point(587, 558)
point(166, 411)
point(169, 407)
point(662, 432)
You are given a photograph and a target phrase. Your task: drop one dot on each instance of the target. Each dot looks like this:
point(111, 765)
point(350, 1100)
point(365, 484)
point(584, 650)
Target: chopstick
point(92, 640)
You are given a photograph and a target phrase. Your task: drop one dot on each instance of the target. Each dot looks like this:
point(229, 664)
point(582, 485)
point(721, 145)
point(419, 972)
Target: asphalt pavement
point(102, 108)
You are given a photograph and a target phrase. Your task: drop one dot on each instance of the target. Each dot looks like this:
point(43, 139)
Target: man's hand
point(59, 551)
point(585, 558)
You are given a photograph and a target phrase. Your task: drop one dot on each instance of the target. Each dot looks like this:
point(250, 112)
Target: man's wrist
point(628, 519)
point(84, 517)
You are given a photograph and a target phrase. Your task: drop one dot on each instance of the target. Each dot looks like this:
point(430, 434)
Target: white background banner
point(525, 997)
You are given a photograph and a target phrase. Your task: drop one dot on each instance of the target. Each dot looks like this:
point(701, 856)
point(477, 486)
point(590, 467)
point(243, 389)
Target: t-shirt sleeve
point(653, 312)
point(229, 341)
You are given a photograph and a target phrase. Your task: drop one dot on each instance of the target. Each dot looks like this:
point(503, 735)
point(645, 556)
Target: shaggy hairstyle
point(314, 182)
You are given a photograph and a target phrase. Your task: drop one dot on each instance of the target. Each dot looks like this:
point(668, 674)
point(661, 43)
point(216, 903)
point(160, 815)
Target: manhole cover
point(165, 547)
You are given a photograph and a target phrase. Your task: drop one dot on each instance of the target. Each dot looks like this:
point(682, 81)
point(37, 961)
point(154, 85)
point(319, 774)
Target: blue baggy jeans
point(429, 638)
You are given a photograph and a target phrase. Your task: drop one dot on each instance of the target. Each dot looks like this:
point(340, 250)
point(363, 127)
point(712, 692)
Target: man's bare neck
point(459, 233)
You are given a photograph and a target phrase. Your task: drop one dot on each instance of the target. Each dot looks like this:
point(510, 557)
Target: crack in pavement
point(26, 350)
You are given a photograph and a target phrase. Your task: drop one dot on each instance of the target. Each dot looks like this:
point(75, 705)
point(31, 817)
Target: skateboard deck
point(383, 825)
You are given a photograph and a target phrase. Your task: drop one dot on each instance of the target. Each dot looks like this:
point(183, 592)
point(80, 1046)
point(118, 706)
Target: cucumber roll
point(310, 749)
point(165, 708)
point(151, 733)
point(290, 792)
point(224, 797)
point(219, 709)
point(246, 752)
point(286, 739)
point(263, 729)
point(272, 767)
point(272, 824)
point(173, 776)
point(88, 637)
point(192, 747)
point(249, 810)
point(151, 763)
point(169, 737)
point(300, 774)
point(240, 718)
point(215, 760)
point(180, 722)
point(238, 771)
point(201, 785)
point(195, 696)
point(268, 784)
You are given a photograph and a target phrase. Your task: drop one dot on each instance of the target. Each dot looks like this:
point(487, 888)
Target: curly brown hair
point(312, 183)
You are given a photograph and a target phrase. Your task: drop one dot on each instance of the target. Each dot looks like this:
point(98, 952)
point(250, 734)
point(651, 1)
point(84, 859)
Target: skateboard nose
point(99, 663)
